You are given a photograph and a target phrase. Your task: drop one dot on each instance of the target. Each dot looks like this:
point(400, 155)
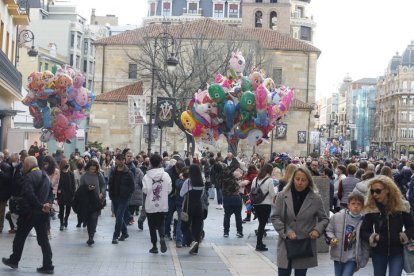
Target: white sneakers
point(219, 207)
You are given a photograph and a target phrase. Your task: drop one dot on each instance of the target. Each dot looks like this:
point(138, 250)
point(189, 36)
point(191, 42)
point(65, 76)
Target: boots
point(61, 224)
point(66, 223)
point(90, 241)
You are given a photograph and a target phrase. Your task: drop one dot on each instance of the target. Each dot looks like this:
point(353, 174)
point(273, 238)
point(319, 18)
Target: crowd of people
point(369, 211)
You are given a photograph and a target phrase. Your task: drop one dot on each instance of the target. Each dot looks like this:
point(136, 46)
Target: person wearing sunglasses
point(387, 225)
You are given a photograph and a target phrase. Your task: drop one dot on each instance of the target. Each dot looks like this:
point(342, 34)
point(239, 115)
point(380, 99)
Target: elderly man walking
point(37, 196)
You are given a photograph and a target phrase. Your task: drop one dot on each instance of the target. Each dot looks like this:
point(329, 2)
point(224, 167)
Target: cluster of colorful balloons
point(58, 102)
point(238, 106)
point(332, 148)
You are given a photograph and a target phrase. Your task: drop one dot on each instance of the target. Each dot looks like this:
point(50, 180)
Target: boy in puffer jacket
point(348, 250)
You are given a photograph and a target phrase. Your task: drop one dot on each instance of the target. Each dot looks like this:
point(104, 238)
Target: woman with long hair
point(192, 190)
point(65, 192)
point(290, 169)
point(89, 197)
point(387, 225)
point(299, 214)
point(264, 182)
point(107, 164)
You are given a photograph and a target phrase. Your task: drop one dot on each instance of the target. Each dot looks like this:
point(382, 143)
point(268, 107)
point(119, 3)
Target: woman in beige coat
point(303, 206)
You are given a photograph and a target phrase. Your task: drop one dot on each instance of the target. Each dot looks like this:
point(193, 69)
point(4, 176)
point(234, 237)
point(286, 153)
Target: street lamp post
point(23, 37)
point(171, 62)
point(333, 121)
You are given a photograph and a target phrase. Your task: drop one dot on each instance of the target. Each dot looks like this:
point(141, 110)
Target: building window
point(259, 1)
point(218, 10)
point(403, 116)
point(411, 116)
point(404, 100)
point(277, 76)
point(273, 20)
point(233, 11)
point(193, 8)
point(71, 60)
point(78, 43)
point(85, 48)
point(273, 1)
point(85, 66)
point(403, 133)
point(258, 19)
point(132, 71)
point(40, 67)
point(405, 85)
point(77, 64)
point(166, 9)
point(298, 12)
point(72, 40)
point(305, 33)
point(153, 9)
point(46, 66)
point(90, 67)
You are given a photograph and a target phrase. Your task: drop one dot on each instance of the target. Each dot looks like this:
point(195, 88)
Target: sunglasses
point(376, 191)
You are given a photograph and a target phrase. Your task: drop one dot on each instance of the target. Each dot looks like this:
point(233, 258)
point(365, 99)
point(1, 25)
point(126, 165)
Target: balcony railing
point(9, 73)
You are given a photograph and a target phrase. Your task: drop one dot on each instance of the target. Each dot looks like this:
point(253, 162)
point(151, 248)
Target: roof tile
point(211, 29)
point(121, 94)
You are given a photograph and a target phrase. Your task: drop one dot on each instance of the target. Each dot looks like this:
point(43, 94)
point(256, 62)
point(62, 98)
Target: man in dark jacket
point(174, 173)
point(37, 193)
point(5, 186)
point(231, 162)
point(121, 186)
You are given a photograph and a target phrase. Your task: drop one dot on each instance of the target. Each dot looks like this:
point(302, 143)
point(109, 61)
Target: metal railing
point(9, 73)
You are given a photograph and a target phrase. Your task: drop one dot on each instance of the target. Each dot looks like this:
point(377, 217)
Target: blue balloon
point(261, 119)
point(229, 111)
point(47, 123)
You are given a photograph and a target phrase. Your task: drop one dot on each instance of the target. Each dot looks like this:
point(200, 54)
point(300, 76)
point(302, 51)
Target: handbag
point(184, 214)
point(408, 255)
point(297, 248)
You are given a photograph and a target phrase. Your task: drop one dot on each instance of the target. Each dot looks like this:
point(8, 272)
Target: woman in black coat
point(65, 192)
point(192, 190)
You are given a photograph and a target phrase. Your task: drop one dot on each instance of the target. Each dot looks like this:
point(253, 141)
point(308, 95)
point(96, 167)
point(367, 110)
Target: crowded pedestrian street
point(218, 256)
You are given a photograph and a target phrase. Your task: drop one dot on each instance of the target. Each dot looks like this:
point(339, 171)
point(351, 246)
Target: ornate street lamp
point(23, 37)
point(171, 62)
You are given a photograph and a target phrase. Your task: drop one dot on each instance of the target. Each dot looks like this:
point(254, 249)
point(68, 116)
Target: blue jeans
point(169, 215)
point(178, 232)
point(232, 205)
point(219, 196)
point(344, 269)
point(395, 265)
point(120, 207)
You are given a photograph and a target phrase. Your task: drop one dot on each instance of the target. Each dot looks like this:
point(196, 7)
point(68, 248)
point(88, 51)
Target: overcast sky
point(358, 37)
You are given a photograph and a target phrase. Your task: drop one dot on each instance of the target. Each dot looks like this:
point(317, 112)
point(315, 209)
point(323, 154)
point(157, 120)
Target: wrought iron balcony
point(9, 74)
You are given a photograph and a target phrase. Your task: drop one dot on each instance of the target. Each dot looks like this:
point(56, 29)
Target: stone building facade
point(291, 61)
point(394, 115)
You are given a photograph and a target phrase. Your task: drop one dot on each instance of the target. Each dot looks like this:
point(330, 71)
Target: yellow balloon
point(187, 120)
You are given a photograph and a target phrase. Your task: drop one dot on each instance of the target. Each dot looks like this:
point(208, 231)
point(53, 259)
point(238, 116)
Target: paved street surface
point(217, 256)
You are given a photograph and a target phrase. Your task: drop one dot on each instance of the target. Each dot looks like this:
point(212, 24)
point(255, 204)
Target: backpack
point(256, 194)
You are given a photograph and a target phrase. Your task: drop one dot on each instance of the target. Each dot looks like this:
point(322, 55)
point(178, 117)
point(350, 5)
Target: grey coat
point(137, 196)
point(336, 229)
point(302, 225)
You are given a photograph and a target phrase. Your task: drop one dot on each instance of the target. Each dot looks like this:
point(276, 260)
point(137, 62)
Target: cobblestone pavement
point(218, 256)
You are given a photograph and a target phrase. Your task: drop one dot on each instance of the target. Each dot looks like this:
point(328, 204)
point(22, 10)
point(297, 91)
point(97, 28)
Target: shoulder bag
point(184, 212)
point(409, 257)
point(297, 248)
